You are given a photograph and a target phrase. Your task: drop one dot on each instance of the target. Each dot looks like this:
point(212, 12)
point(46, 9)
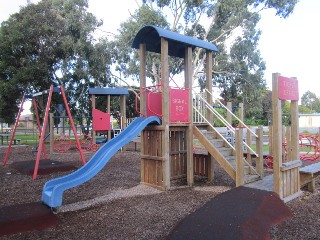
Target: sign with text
point(179, 105)
point(288, 88)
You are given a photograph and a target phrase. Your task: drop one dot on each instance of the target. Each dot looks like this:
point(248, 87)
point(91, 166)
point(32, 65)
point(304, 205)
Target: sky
point(288, 46)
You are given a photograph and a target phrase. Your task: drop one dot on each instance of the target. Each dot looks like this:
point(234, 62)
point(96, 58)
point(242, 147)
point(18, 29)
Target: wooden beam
point(143, 78)
point(294, 109)
point(93, 104)
point(239, 158)
point(188, 71)
point(229, 116)
point(259, 148)
point(142, 56)
point(123, 111)
point(241, 112)
point(165, 112)
point(277, 136)
point(108, 111)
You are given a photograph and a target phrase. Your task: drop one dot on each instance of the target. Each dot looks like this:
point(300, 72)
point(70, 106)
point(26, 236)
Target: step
point(225, 151)
point(218, 143)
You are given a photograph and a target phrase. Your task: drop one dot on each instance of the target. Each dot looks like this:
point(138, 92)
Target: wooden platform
point(265, 184)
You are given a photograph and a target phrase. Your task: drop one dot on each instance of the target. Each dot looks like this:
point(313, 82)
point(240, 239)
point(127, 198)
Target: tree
point(230, 24)
point(51, 43)
point(311, 101)
point(305, 110)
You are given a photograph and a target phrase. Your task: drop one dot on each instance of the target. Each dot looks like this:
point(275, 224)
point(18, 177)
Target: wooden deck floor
point(265, 184)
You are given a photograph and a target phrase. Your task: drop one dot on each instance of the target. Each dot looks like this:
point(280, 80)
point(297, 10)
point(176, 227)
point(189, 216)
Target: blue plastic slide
point(53, 189)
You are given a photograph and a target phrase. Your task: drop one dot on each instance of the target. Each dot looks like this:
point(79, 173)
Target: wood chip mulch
point(123, 210)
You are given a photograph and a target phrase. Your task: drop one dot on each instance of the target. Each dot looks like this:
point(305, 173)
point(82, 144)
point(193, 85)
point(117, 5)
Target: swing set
point(42, 129)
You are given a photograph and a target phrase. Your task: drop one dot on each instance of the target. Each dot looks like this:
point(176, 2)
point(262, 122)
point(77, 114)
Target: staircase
point(229, 157)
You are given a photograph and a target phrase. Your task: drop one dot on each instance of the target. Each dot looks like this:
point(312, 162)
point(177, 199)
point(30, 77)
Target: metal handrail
point(240, 121)
point(223, 120)
point(245, 161)
point(213, 127)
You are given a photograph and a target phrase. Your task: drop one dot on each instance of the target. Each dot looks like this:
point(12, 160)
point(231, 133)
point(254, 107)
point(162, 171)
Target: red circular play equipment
point(85, 142)
point(62, 143)
point(268, 162)
point(309, 147)
point(309, 150)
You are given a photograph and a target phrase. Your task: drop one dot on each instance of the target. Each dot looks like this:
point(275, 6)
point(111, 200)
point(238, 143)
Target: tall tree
point(311, 101)
point(230, 24)
point(50, 43)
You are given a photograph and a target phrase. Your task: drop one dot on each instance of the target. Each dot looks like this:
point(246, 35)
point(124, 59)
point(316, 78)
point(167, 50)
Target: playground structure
point(171, 141)
point(167, 148)
point(101, 121)
point(42, 128)
point(170, 156)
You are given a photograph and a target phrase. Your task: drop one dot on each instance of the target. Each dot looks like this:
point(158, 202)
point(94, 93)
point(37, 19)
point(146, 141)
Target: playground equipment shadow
point(140, 216)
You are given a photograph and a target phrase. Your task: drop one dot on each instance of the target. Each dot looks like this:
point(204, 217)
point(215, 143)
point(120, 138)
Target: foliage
point(311, 101)
point(51, 43)
point(230, 24)
point(305, 110)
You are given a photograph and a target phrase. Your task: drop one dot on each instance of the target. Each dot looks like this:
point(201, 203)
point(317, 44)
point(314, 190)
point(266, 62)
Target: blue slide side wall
point(53, 189)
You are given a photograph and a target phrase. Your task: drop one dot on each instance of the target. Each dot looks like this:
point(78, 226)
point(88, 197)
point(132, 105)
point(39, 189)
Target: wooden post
point(270, 141)
point(209, 84)
point(229, 116)
point(277, 138)
point(209, 113)
point(239, 158)
point(249, 142)
point(241, 112)
point(142, 56)
point(288, 155)
point(188, 70)
point(294, 109)
point(259, 148)
point(165, 112)
point(93, 104)
point(123, 111)
point(108, 111)
point(143, 78)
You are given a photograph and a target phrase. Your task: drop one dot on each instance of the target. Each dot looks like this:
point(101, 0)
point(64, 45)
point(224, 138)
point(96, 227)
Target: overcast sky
point(288, 46)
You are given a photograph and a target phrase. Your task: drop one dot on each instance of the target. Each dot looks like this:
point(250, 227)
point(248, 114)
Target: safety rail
point(210, 124)
point(200, 114)
point(199, 98)
point(232, 114)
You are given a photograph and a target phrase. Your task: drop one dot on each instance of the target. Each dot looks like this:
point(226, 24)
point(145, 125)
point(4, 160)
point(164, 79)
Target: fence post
point(259, 148)
point(239, 158)
point(229, 116)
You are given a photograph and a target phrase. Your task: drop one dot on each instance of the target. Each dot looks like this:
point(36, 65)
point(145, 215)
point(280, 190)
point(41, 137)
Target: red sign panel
point(154, 104)
point(288, 89)
point(179, 105)
point(100, 120)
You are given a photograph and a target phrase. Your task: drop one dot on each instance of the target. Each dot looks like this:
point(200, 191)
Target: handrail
point(230, 145)
point(216, 113)
point(245, 161)
point(240, 121)
point(223, 120)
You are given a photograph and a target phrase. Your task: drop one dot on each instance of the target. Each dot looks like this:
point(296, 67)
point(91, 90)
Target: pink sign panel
point(100, 120)
point(179, 105)
point(154, 104)
point(288, 89)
